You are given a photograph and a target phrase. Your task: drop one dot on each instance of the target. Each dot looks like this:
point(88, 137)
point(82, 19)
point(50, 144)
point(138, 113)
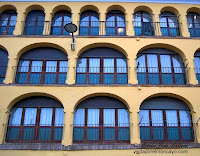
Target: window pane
point(157, 117)
point(23, 66)
point(177, 63)
point(36, 66)
point(152, 61)
point(93, 118)
point(121, 66)
point(15, 116)
point(94, 65)
point(165, 61)
point(82, 65)
point(172, 119)
point(79, 117)
point(63, 66)
point(51, 66)
point(123, 118)
point(185, 118)
point(144, 118)
point(59, 117)
point(46, 116)
point(197, 64)
point(108, 65)
point(109, 117)
point(30, 116)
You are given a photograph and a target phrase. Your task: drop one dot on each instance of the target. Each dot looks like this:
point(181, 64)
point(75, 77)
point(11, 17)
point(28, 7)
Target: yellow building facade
point(134, 62)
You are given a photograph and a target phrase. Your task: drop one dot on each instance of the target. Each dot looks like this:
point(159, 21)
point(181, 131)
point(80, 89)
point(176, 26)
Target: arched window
point(101, 120)
point(89, 23)
point(160, 66)
point(7, 22)
point(34, 23)
point(36, 119)
point(165, 119)
point(42, 66)
point(101, 66)
point(59, 20)
point(115, 23)
point(143, 24)
point(3, 64)
point(197, 65)
point(169, 24)
point(193, 20)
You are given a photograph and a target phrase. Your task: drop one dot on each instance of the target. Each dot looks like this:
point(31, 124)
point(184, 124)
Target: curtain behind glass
point(30, 116)
point(79, 117)
point(197, 64)
point(123, 118)
point(15, 116)
point(109, 117)
point(171, 118)
point(157, 117)
point(152, 62)
point(59, 117)
point(185, 118)
point(46, 116)
point(94, 65)
point(108, 64)
point(144, 118)
point(93, 118)
point(165, 61)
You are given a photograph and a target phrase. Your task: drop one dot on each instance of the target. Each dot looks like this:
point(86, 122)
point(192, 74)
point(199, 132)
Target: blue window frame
point(193, 20)
point(89, 23)
point(115, 23)
point(143, 24)
point(34, 24)
point(60, 19)
point(7, 22)
point(169, 24)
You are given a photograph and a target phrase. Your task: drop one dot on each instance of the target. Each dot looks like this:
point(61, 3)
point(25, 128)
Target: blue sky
point(155, 1)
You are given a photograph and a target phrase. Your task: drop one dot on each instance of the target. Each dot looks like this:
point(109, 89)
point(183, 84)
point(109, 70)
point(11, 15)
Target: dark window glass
point(143, 24)
point(89, 23)
point(115, 23)
point(34, 23)
point(193, 20)
point(7, 22)
point(60, 19)
point(169, 24)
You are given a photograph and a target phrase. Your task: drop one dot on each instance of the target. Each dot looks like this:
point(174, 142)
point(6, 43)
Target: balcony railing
point(194, 29)
point(39, 75)
point(170, 28)
point(145, 28)
point(7, 27)
point(168, 132)
point(101, 134)
point(2, 73)
point(105, 75)
point(108, 28)
point(163, 75)
point(33, 134)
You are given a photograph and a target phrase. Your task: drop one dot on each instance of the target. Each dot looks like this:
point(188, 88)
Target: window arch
point(101, 66)
point(101, 120)
point(36, 119)
point(34, 23)
point(143, 24)
point(3, 64)
point(160, 66)
point(165, 119)
point(7, 22)
point(115, 23)
point(193, 20)
point(89, 23)
point(169, 24)
point(43, 65)
point(59, 20)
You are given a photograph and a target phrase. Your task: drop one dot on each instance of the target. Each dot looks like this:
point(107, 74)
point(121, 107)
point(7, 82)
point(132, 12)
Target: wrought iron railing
point(105, 75)
point(163, 75)
point(40, 75)
point(7, 27)
point(101, 134)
